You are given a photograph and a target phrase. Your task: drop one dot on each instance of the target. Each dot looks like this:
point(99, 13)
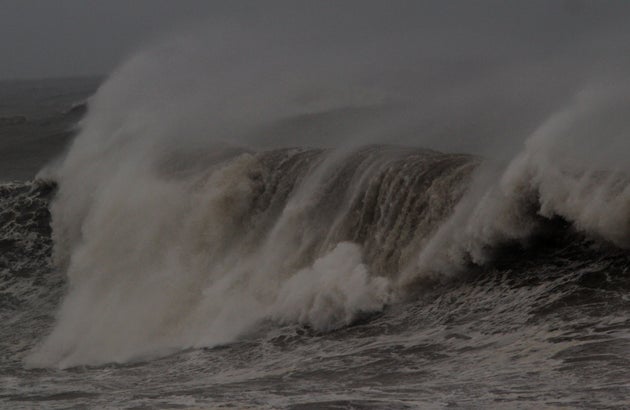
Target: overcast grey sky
point(42, 38)
point(48, 38)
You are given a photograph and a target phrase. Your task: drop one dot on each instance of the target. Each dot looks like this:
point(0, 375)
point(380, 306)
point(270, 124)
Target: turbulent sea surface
point(374, 276)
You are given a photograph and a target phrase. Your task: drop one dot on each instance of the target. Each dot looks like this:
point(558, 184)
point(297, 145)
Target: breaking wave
point(172, 239)
point(182, 260)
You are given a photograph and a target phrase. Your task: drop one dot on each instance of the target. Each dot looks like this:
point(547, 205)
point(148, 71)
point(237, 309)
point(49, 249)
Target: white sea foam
point(573, 166)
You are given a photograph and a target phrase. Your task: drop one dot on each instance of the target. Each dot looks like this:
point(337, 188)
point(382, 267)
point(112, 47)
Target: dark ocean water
point(299, 278)
point(36, 121)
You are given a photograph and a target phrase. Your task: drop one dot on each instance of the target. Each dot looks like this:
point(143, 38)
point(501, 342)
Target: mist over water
point(349, 177)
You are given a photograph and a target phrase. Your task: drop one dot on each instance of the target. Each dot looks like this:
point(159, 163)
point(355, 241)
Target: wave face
point(290, 235)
